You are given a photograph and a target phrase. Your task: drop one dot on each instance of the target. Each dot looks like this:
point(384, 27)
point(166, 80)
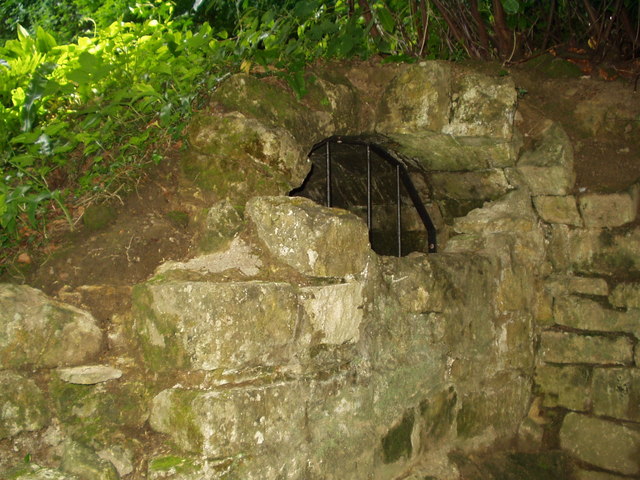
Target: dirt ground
point(151, 224)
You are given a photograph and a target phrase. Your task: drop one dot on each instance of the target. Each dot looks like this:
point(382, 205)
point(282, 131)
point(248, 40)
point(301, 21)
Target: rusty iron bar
point(402, 176)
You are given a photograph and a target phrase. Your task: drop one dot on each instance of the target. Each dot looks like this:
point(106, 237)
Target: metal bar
point(401, 171)
point(369, 211)
point(329, 202)
point(398, 211)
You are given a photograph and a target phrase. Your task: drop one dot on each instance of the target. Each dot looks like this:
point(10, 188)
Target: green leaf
point(511, 6)
point(44, 41)
point(385, 19)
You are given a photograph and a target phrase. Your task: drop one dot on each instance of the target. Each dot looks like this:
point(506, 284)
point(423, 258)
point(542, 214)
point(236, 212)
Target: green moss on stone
point(158, 358)
point(397, 442)
point(178, 464)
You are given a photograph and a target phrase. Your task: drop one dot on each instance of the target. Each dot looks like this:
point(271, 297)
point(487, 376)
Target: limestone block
point(253, 420)
point(224, 151)
point(272, 105)
point(80, 460)
point(342, 436)
point(22, 405)
point(334, 311)
point(482, 106)
point(217, 226)
point(238, 257)
point(413, 281)
point(561, 285)
point(95, 413)
point(416, 99)
point(314, 240)
point(438, 152)
point(552, 148)
point(498, 409)
point(585, 314)
point(626, 295)
point(548, 168)
point(601, 443)
point(553, 180)
point(602, 251)
point(89, 374)
point(558, 209)
point(206, 325)
point(565, 386)
point(40, 332)
point(563, 347)
point(512, 214)
point(607, 210)
point(616, 393)
point(476, 185)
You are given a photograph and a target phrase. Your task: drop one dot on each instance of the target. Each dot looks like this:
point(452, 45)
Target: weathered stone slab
point(563, 347)
point(80, 460)
point(414, 283)
point(512, 214)
point(224, 149)
point(553, 180)
point(314, 240)
point(416, 99)
point(233, 421)
point(596, 251)
point(22, 405)
point(95, 413)
point(475, 186)
point(217, 226)
point(560, 285)
point(482, 106)
point(586, 314)
point(40, 332)
point(335, 311)
point(616, 393)
point(608, 210)
point(238, 256)
point(438, 152)
point(548, 168)
point(565, 386)
point(558, 209)
point(601, 443)
point(626, 295)
point(204, 325)
point(89, 374)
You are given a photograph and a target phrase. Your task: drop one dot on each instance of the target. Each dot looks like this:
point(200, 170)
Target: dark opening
point(364, 178)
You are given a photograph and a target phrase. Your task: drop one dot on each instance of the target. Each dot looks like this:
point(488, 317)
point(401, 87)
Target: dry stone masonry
point(287, 349)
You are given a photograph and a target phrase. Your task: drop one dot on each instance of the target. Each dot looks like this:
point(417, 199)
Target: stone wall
point(286, 348)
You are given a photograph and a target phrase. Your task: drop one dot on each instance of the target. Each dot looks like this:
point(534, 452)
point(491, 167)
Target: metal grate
point(402, 179)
